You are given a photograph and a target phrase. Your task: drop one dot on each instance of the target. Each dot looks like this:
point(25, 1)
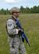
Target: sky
point(17, 3)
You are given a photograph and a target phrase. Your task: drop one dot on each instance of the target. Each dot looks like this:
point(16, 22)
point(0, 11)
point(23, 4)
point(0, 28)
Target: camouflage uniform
point(18, 46)
point(15, 41)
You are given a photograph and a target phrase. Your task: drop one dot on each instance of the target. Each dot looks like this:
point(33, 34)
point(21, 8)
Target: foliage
point(34, 9)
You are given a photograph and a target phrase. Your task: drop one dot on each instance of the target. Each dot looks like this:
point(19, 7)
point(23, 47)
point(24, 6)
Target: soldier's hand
point(21, 29)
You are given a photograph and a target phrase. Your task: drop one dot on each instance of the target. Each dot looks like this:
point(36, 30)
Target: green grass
point(30, 23)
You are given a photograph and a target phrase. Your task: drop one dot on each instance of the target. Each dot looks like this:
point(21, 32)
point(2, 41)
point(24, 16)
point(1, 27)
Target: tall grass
point(30, 23)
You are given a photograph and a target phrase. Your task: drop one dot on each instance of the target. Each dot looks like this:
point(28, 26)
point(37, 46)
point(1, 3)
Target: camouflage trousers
point(16, 45)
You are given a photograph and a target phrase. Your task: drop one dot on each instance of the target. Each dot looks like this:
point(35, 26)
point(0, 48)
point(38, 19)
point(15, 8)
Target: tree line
point(34, 9)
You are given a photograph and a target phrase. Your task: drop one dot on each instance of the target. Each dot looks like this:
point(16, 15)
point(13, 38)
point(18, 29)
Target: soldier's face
point(16, 14)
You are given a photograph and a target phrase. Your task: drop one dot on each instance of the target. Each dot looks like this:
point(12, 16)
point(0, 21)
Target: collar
point(14, 18)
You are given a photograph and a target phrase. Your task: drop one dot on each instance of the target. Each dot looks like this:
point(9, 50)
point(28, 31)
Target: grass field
point(30, 23)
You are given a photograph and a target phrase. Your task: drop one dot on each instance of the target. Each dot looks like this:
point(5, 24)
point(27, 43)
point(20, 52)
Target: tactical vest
point(14, 28)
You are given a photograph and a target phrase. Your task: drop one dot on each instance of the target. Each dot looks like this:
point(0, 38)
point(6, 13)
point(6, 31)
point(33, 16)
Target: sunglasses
point(16, 12)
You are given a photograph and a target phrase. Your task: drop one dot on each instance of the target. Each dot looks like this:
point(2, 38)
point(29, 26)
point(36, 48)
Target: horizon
point(19, 7)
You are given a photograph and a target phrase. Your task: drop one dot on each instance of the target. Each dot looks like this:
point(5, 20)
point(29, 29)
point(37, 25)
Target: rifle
point(22, 32)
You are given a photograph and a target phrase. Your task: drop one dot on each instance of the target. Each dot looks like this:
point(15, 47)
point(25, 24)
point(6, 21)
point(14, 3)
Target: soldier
point(15, 41)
